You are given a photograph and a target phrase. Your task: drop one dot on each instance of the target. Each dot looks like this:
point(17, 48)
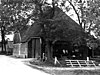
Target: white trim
point(19, 37)
point(19, 50)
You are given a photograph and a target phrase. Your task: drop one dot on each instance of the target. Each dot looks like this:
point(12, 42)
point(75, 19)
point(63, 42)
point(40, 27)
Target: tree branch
point(90, 26)
point(76, 12)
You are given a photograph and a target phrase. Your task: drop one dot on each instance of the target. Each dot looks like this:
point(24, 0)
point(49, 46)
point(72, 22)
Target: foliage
point(87, 12)
point(16, 15)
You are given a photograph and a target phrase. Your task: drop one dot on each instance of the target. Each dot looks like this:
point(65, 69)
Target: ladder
point(80, 63)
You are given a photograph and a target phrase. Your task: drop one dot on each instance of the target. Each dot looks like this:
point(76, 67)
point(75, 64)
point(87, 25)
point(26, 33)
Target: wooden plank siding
point(16, 50)
point(38, 48)
point(20, 50)
point(24, 49)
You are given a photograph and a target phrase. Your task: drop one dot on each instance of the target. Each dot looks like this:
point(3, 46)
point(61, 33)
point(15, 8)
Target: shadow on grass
point(87, 72)
point(50, 64)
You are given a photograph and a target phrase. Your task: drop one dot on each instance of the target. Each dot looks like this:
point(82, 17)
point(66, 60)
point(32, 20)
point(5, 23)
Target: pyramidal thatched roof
point(62, 16)
point(61, 19)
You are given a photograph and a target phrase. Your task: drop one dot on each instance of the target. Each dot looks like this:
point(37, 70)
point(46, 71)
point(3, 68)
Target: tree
point(14, 17)
point(53, 28)
point(87, 12)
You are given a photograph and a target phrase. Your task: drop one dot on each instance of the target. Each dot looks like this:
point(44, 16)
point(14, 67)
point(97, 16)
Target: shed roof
point(17, 38)
point(33, 31)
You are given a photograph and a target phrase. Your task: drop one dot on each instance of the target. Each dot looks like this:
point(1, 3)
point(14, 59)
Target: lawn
point(75, 72)
point(68, 72)
point(55, 71)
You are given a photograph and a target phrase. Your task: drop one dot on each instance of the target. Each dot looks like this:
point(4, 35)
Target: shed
point(17, 44)
point(31, 41)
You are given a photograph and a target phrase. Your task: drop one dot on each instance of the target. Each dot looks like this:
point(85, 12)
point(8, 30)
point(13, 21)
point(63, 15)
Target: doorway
point(34, 48)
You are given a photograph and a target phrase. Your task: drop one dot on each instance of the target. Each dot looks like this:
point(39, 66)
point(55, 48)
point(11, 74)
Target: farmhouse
point(64, 30)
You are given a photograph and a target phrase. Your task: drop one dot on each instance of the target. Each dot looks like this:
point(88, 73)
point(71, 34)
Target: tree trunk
point(75, 12)
point(3, 39)
point(49, 51)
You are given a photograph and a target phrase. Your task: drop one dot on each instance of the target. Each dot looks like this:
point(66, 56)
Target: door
point(33, 48)
point(36, 48)
point(30, 49)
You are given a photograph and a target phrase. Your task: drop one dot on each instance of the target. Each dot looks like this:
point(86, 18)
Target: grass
point(50, 63)
point(76, 72)
point(62, 72)
point(87, 72)
point(68, 72)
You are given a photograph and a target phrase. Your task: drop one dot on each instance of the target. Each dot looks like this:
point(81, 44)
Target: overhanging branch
point(75, 11)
